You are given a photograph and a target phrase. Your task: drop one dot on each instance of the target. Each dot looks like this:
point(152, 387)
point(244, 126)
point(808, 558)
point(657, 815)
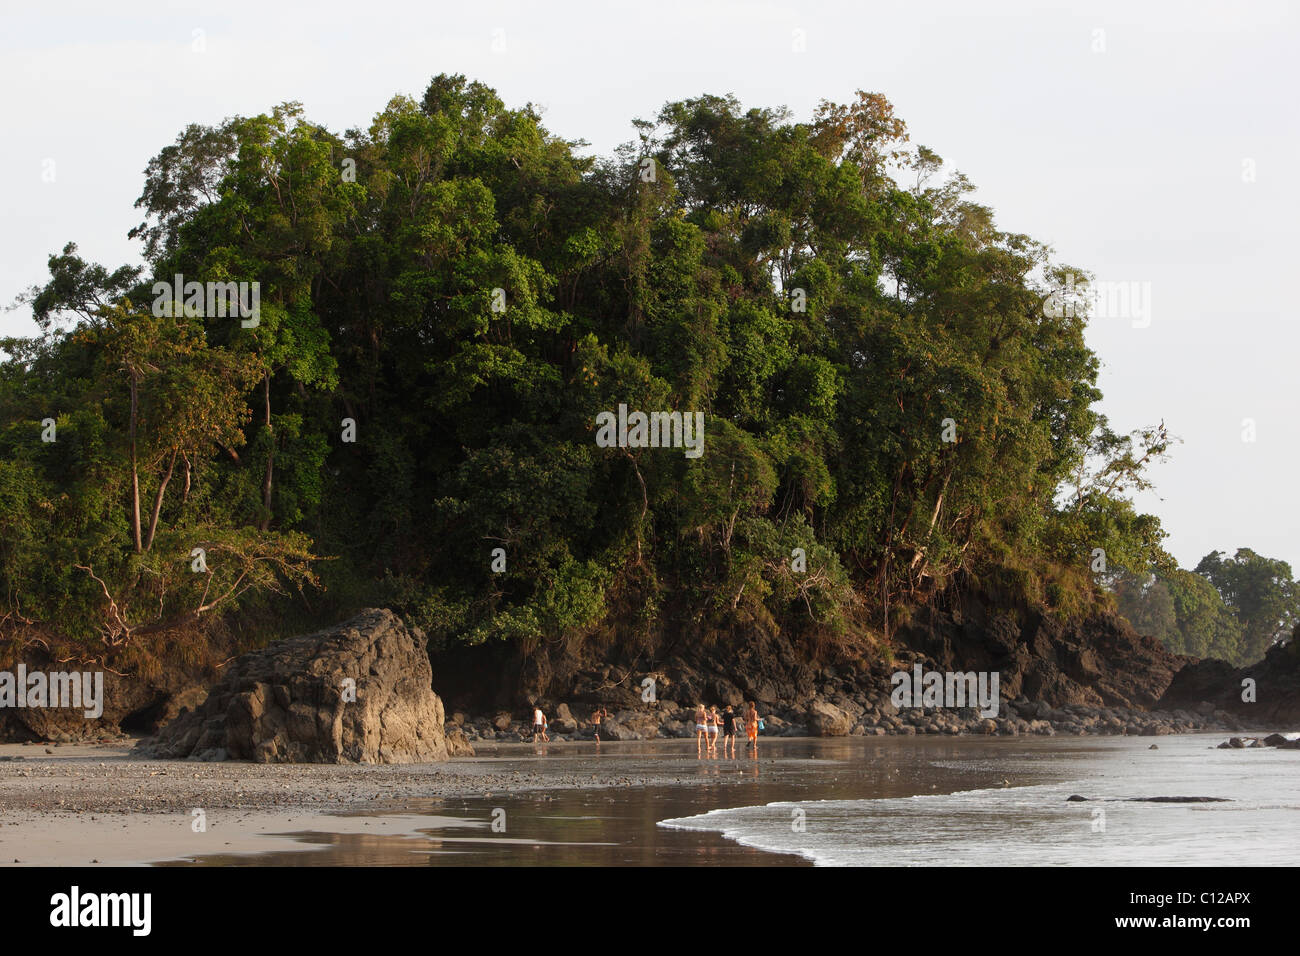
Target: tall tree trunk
point(158, 500)
point(270, 456)
point(889, 550)
point(135, 472)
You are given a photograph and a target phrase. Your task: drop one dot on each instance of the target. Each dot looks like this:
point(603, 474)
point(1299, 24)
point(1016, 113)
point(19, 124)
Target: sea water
point(1257, 824)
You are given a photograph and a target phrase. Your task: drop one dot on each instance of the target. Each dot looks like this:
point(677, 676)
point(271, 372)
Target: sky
point(1153, 145)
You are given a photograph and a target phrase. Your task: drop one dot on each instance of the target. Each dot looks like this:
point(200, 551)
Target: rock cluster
point(1272, 740)
point(1095, 675)
point(360, 692)
point(841, 708)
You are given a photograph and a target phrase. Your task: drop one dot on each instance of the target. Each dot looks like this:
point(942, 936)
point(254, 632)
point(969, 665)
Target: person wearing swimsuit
point(712, 723)
point(751, 726)
point(597, 715)
point(701, 728)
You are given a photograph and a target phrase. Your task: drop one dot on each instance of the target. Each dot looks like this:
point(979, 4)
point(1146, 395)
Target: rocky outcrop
point(1075, 798)
point(1097, 661)
point(1093, 675)
point(1261, 695)
point(1280, 741)
point(122, 703)
point(360, 692)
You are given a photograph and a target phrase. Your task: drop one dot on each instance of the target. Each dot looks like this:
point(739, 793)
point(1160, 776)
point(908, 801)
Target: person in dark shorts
point(597, 715)
point(539, 724)
point(729, 722)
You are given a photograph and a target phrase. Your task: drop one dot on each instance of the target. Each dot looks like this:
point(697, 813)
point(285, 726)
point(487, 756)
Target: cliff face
point(1275, 699)
point(1095, 662)
point(120, 702)
point(1099, 661)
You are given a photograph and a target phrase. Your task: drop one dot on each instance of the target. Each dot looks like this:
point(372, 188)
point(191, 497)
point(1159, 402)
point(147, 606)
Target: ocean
point(1034, 825)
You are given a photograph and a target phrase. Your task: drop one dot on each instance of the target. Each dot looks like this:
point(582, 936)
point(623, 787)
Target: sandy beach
point(89, 803)
point(873, 801)
point(96, 804)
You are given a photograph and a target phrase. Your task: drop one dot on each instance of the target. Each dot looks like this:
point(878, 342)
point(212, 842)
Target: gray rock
point(458, 744)
point(289, 702)
point(827, 720)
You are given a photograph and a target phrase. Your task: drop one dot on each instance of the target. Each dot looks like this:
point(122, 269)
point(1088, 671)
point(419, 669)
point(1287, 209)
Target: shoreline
point(867, 717)
point(89, 805)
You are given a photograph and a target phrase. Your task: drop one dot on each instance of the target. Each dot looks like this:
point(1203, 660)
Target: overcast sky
point(1150, 143)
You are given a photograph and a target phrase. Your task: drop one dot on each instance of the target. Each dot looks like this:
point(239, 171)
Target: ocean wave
point(1032, 825)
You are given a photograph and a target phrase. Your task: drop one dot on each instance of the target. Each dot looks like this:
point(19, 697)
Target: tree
point(1260, 592)
point(451, 294)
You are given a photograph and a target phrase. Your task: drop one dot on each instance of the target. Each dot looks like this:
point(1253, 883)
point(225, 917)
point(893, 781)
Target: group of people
point(709, 726)
point(540, 723)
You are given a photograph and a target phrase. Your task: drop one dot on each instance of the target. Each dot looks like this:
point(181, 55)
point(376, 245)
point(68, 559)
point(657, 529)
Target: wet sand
point(512, 804)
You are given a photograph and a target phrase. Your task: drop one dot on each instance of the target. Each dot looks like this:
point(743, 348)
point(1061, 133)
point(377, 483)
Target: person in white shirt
point(539, 724)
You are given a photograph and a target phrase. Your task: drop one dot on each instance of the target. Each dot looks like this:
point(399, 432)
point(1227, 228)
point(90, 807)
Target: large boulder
point(630, 725)
point(360, 692)
point(458, 744)
point(827, 720)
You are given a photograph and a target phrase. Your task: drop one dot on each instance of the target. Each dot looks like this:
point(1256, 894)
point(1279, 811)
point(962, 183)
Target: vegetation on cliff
point(448, 300)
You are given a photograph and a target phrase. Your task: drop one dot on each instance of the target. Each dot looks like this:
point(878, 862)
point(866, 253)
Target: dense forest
point(446, 303)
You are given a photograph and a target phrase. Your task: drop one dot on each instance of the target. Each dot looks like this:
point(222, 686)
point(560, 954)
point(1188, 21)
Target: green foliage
point(1233, 609)
point(881, 385)
point(1260, 592)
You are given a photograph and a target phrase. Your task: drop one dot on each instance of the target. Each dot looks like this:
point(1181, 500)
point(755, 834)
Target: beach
point(876, 801)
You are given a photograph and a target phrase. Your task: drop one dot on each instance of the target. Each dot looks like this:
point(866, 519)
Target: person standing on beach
point(729, 731)
point(751, 726)
point(712, 723)
point(701, 729)
point(539, 724)
point(597, 715)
